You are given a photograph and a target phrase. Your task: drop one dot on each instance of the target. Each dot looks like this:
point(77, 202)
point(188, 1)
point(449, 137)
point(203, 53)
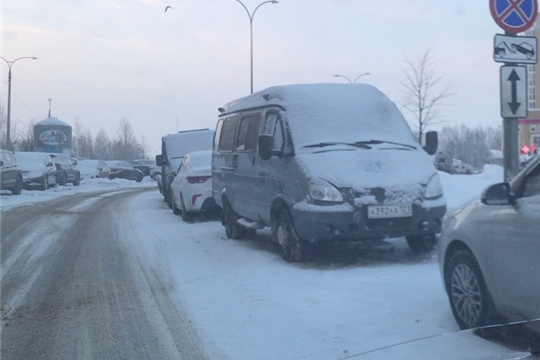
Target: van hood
point(403, 171)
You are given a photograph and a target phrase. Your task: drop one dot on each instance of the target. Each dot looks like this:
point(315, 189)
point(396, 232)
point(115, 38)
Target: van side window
point(247, 133)
point(274, 127)
point(217, 135)
point(228, 129)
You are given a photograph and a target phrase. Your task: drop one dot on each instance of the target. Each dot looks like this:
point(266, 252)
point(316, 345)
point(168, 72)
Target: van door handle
point(235, 160)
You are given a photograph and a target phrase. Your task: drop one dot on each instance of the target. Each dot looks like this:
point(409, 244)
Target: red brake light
point(197, 179)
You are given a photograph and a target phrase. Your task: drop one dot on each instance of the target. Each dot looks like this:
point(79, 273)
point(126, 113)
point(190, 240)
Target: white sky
point(104, 60)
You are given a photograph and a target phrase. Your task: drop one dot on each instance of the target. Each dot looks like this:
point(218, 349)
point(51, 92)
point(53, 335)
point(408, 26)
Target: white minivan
point(324, 162)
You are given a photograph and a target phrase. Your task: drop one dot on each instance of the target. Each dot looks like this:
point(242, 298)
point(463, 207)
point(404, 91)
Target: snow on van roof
point(333, 112)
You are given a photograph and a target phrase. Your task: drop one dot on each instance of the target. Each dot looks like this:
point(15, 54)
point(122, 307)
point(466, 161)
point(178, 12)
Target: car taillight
point(197, 179)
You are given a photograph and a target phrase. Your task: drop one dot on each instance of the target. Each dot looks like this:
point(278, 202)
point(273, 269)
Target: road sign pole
point(510, 147)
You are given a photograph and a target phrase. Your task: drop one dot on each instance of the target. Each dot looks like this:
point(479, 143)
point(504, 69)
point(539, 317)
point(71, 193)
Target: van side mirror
point(498, 194)
point(432, 142)
point(265, 142)
point(1, 162)
point(160, 161)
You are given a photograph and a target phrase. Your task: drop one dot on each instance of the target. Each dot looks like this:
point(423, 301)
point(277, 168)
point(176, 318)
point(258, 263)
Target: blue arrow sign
point(514, 16)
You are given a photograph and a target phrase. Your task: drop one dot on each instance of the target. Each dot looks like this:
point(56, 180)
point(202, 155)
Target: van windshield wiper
point(324, 144)
point(376, 142)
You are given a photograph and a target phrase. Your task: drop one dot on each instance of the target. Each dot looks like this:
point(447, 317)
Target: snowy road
point(73, 286)
point(114, 274)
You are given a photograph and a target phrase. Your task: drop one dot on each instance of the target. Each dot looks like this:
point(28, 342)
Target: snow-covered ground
point(248, 303)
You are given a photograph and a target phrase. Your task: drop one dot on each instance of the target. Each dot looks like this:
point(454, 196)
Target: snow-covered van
point(173, 149)
point(324, 162)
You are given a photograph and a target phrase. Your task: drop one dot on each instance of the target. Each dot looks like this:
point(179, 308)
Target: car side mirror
point(266, 143)
point(1, 163)
point(160, 161)
point(498, 194)
point(432, 142)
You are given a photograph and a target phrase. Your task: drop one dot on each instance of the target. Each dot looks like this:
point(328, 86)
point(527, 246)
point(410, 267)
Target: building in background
point(52, 135)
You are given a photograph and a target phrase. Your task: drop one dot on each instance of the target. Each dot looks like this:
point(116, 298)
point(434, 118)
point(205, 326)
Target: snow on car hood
point(401, 171)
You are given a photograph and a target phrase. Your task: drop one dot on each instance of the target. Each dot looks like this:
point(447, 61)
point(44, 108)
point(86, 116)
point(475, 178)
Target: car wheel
point(186, 216)
point(45, 182)
point(77, 180)
point(64, 179)
point(421, 243)
point(233, 230)
point(284, 233)
point(169, 198)
point(467, 291)
point(175, 209)
point(156, 176)
point(139, 178)
point(17, 189)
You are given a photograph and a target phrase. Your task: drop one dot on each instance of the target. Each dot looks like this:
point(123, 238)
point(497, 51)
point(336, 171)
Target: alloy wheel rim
point(466, 294)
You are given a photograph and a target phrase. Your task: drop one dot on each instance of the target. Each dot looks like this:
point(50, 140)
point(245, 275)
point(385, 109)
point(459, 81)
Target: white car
point(489, 254)
point(192, 185)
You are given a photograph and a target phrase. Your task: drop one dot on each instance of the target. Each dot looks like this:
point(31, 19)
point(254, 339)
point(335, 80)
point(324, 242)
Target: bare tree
point(102, 146)
point(125, 146)
point(422, 92)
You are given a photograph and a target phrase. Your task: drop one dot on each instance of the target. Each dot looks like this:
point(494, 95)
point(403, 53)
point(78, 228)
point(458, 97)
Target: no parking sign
point(514, 16)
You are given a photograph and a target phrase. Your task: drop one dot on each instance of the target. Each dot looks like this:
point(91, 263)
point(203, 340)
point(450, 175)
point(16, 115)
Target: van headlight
point(320, 190)
point(433, 188)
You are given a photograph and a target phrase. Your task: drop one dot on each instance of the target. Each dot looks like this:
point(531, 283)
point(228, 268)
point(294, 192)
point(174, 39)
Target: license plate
point(389, 211)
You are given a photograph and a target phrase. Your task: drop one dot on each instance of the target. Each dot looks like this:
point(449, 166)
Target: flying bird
point(168, 7)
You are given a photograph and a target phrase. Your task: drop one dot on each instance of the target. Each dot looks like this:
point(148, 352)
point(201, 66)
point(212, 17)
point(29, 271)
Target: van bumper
point(314, 226)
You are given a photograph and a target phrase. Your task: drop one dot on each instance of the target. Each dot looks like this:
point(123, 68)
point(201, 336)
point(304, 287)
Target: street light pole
point(10, 64)
point(251, 16)
point(349, 80)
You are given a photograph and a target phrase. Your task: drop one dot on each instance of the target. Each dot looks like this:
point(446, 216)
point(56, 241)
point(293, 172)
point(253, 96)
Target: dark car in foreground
point(66, 170)
point(489, 254)
point(38, 169)
point(139, 164)
point(124, 170)
point(10, 173)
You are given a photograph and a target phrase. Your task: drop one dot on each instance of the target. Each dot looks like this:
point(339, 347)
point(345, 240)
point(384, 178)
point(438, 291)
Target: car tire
point(64, 179)
point(233, 230)
point(17, 189)
point(139, 178)
point(467, 291)
point(175, 209)
point(186, 216)
point(169, 198)
point(45, 183)
point(283, 232)
point(421, 243)
point(77, 180)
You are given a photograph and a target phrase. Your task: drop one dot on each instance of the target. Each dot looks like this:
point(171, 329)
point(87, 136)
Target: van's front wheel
point(284, 233)
point(421, 243)
point(233, 230)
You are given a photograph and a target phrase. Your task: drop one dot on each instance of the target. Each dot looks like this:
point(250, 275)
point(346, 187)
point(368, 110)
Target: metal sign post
point(514, 16)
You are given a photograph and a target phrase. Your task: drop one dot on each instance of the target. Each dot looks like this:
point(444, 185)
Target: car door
point(179, 181)
point(224, 161)
point(248, 198)
point(515, 251)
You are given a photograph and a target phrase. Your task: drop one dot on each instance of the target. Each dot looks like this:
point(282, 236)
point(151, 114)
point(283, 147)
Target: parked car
point(173, 149)
point(191, 188)
point(93, 169)
point(10, 173)
point(154, 170)
point(489, 254)
point(139, 164)
point(461, 168)
point(124, 170)
point(444, 162)
point(523, 48)
point(320, 163)
point(66, 170)
point(38, 169)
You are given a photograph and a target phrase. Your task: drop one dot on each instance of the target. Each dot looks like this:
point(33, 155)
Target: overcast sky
point(104, 60)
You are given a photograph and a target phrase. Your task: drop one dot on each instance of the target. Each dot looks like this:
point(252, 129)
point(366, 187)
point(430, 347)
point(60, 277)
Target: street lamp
point(251, 15)
point(10, 64)
point(349, 80)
